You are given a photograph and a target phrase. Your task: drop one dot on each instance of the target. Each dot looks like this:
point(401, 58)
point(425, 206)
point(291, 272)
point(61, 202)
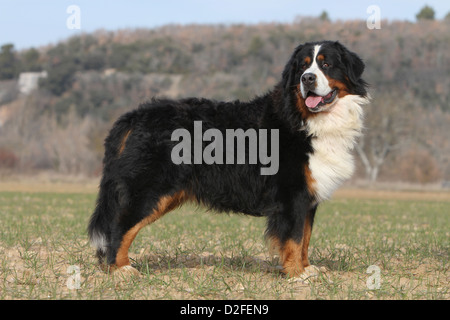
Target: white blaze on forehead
point(322, 87)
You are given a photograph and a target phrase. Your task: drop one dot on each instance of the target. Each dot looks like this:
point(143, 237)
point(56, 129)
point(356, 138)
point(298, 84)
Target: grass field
point(192, 254)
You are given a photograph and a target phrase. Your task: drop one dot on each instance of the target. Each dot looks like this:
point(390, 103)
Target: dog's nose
point(308, 79)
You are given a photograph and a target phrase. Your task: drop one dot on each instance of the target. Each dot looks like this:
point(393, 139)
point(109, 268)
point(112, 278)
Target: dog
point(315, 112)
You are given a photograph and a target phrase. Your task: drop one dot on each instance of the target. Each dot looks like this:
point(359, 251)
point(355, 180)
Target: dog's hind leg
point(125, 233)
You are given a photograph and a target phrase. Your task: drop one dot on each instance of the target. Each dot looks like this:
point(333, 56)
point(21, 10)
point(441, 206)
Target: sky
point(34, 23)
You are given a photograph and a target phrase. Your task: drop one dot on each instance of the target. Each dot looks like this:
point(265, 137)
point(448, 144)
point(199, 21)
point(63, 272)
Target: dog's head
point(322, 73)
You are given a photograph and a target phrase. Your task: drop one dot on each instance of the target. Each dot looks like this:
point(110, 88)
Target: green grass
point(191, 254)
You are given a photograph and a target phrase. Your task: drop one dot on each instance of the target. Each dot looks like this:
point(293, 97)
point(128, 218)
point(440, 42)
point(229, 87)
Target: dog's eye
point(325, 65)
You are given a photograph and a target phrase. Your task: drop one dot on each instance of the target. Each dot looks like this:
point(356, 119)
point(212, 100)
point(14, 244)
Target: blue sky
point(28, 23)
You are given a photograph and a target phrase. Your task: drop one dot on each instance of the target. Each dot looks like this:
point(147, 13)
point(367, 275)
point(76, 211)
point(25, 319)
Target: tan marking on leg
point(291, 257)
point(165, 204)
point(122, 254)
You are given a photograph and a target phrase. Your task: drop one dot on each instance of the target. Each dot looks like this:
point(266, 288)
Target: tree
point(60, 77)
point(324, 16)
point(386, 124)
point(30, 61)
point(8, 63)
point(427, 13)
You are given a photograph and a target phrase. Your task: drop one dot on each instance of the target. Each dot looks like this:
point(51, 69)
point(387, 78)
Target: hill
point(93, 78)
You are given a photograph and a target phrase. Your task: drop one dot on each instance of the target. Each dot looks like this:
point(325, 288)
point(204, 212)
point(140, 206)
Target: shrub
point(8, 159)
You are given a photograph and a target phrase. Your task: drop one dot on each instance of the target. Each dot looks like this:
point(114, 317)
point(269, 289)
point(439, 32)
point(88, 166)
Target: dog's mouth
point(314, 101)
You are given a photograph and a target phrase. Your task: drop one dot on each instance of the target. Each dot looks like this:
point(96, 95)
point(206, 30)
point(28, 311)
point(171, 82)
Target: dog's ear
point(290, 70)
point(354, 69)
point(355, 66)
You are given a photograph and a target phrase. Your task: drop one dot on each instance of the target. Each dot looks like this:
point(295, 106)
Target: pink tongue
point(313, 101)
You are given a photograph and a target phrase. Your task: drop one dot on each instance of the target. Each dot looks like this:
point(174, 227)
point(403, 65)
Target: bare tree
point(386, 127)
point(67, 144)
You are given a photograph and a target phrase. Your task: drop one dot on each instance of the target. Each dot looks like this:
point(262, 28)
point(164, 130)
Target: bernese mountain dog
point(314, 115)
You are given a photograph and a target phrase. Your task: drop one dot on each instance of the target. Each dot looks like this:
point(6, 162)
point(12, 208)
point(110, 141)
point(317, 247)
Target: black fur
point(135, 178)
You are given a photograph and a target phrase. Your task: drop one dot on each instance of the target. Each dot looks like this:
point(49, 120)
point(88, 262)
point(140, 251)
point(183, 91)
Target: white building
point(28, 81)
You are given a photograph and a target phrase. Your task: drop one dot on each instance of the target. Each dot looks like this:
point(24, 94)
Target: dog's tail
point(99, 228)
point(113, 194)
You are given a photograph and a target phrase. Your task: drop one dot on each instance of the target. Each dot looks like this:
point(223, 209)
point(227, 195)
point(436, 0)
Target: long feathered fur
point(138, 170)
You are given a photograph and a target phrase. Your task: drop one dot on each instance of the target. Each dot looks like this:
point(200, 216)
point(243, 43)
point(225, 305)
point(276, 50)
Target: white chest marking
point(334, 136)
